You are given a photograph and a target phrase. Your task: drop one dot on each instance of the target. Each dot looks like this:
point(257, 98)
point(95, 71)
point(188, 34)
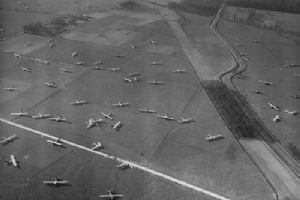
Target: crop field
point(267, 63)
point(174, 149)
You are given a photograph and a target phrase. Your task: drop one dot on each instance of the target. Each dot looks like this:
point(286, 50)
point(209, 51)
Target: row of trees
point(210, 7)
point(290, 6)
point(200, 7)
point(274, 28)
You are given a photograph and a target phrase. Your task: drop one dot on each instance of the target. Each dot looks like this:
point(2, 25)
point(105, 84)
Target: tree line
point(210, 7)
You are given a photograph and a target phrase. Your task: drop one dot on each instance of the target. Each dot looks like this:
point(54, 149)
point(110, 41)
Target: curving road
point(285, 176)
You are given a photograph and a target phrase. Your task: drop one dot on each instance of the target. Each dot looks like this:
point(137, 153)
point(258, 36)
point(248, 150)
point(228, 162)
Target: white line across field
point(143, 168)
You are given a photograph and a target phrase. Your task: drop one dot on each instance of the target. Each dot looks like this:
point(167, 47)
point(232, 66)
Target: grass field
point(124, 28)
point(32, 82)
point(18, 44)
point(89, 175)
point(213, 51)
point(176, 149)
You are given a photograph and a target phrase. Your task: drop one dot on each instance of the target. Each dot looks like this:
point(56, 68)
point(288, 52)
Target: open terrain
point(179, 150)
point(89, 175)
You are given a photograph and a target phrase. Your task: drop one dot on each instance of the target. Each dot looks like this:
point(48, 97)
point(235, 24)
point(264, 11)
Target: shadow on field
point(244, 123)
point(61, 186)
point(236, 112)
point(294, 151)
point(54, 27)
